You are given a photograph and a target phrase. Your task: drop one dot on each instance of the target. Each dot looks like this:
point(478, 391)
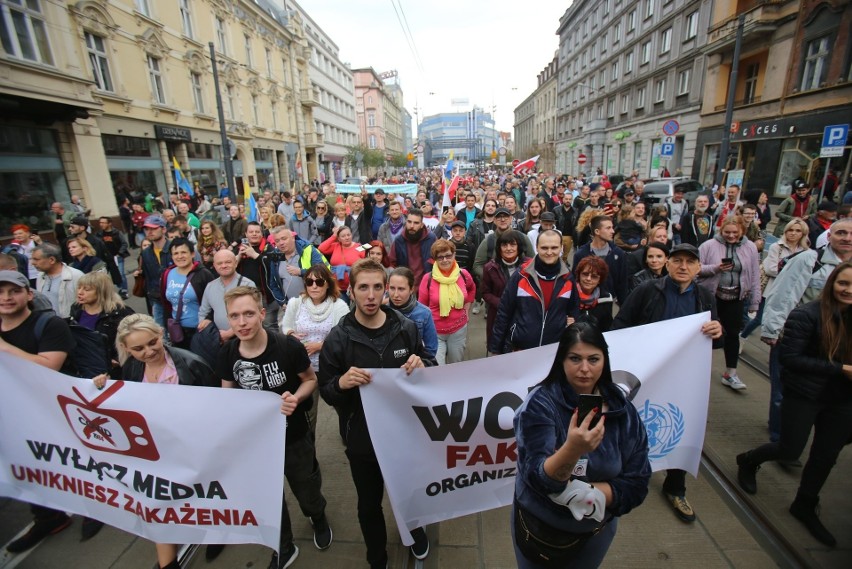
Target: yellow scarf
point(450, 295)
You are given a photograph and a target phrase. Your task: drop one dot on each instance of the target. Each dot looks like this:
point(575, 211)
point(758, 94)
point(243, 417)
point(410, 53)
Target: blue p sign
point(835, 135)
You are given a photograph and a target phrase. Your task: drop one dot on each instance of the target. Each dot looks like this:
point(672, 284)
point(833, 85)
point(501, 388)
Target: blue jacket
point(522, 322)
point(422, 318)
point(541, 426)
point(308, 257)
point(152, 270)
point(616, 261)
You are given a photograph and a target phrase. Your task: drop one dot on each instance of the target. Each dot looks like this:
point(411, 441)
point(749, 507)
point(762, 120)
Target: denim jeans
point(451, 346)
point(303, 474)
point(158, 313)
point(119, 260)
point(750, 326)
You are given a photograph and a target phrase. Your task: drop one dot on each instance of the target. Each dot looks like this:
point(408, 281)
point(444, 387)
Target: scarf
point(545, 271)
point(590, 300)
point(395, 226)
point(318, 312)
point(450, 294)
point(408, 306)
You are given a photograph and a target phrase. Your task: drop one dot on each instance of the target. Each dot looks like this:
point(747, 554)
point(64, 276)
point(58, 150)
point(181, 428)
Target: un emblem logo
point(665, 426)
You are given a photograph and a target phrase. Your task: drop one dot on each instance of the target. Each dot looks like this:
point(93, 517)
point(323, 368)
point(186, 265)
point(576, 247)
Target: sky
point(488, 52)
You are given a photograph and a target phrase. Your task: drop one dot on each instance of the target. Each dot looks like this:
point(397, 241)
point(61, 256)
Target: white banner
point(444, 435)
point(170, 463)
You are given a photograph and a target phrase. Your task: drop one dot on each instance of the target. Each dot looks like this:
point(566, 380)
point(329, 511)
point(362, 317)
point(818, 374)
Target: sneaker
point(742, 345)
point(747, 474)
point(123, 294)
point(420, 549)
point(681, 507)
point(322, 533)
point(39, 530)
point(477, 307)
point(733, 381)
point(288, 557)
point(90, 528)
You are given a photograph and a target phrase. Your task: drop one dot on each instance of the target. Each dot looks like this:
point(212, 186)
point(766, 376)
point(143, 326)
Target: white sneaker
point(733, 381)
point(476, 307)
point(742, 345)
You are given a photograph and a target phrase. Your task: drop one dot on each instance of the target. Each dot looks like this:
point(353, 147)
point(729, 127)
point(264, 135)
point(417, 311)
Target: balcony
point(313, 140)
point(740, 103)
point(762, 19)
point(596, 125)
point(310, 97)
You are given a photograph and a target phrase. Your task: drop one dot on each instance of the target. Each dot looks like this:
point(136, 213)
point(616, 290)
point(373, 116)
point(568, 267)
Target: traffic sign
point(581, 159)
point(501, 151)
point(834, 140)
point(670, 127)
point(493, 160)
point(420, 149)
point(410, 157)
point(668, 140)
point(515, 162)
point(667, 150)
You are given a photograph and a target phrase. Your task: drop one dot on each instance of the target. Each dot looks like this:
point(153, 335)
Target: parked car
point(658, 189)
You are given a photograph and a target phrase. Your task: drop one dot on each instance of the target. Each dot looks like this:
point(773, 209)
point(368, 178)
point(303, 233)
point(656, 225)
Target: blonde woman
point(85, 258)
point(145, 358)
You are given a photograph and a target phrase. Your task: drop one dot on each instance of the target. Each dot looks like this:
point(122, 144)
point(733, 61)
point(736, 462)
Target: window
point(156, 77)
point(628, 63)
point(371, 119)
point(649, 8)
point(616, 33)
point(143, 7)
point(750, 90)
point(186, 18)
point(683, 82)
point(248, 51)
point(816, 64)
point(593, 52)
point(602, 78)
point(268, 62)
point(610, 108)
point(600, 111)
point(372, 141)
point(691, 27)
point(24, 31)
point(660, 91)
point(98, 60)
point(254, 109)
point(197, 92)
point(646, 53)
point(640, 98)
point(220, 36)
point(230, 91)
point(592, 83)
point(625, 104)
point(666, 41)
point(614, 74)
point(631, 21)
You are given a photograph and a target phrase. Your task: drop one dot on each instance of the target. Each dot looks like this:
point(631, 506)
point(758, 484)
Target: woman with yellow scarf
point(448, 291)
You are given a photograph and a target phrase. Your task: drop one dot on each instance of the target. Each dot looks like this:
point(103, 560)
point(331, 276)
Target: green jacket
point(785, 210)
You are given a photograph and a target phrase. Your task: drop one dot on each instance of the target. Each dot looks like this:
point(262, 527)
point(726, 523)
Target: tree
point(398, 160)
point(369, 157)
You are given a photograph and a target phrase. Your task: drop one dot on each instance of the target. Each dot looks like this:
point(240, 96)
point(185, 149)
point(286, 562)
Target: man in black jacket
point(566, 223)
point(672, 296)
point(371, 336)
point(360, 218)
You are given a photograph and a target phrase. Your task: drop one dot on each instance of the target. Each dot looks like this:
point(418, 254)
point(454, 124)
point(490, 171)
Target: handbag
point(139, 286)
point(173, 324)
point(545, 545)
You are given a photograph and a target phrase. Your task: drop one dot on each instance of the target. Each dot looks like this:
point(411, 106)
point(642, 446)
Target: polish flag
point(526, 166)
point(450, 193)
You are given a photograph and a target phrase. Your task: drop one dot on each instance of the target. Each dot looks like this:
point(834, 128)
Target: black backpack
point(91, 353)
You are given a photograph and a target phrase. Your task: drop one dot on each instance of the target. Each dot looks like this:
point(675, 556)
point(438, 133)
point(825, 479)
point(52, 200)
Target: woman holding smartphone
point(816, 374)
point(601, 458)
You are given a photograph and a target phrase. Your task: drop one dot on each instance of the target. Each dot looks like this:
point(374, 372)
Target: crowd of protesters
point(309, 271)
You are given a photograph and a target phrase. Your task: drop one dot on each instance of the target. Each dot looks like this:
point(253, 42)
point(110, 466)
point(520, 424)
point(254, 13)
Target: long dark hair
point(836, 320)
point(579, 333)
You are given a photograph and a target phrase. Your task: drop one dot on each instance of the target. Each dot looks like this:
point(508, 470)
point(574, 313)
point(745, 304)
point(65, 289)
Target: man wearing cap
point(800, 205)
point(485, 250)
point(826, 214)
point(154, 259)
point(675, 295)
point(547, 221)
point(464, 251)
point(50, 349)
point(56, 280)
point(380, 212)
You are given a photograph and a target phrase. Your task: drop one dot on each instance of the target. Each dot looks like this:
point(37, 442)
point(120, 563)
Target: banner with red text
point(444, 436)
point(170, 463)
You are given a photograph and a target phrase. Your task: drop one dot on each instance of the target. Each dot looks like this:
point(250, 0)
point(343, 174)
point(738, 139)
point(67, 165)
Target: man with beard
point(696, 227)
point(393, 227)
point(483, 225)
point(413, 247)
point(485, 251)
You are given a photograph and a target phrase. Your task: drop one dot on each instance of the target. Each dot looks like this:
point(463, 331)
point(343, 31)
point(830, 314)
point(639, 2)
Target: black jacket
point(191, 369)
point(566, 221)
point(616, 261)
point(107, 324)
point(347, 346)
point(805, 371)
point(647, 304)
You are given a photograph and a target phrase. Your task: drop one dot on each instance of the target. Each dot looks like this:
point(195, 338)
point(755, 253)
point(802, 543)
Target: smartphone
point(587, 403)
point(244, 241)
point(727, 260)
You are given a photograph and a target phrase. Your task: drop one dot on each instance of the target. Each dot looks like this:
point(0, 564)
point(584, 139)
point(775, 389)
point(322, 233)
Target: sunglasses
point(445, 257)
point(318, 282)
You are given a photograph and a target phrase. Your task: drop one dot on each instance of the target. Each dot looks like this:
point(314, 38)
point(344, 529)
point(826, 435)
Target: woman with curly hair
point(210, 240)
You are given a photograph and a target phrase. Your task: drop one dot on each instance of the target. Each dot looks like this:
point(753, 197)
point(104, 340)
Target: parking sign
point(834, 140)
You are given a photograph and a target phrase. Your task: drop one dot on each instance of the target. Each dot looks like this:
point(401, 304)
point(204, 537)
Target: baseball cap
point(457, 224)
point(154, 221)
point(678, 189)
point(15, 278)
point(799, 184)
point(827, 205)
point(685, 248)
point(80, 220)
point(501, 211)
point(548, 216)
point(379, 191)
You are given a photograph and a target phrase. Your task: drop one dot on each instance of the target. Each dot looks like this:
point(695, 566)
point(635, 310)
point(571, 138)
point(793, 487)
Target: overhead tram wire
point(413, 42)
point(409, 39)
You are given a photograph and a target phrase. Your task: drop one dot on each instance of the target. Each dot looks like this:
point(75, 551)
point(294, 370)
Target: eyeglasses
point(448, 257)
point(311, 282)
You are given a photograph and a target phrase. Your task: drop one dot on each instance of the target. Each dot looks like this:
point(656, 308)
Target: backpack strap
point(40, 325)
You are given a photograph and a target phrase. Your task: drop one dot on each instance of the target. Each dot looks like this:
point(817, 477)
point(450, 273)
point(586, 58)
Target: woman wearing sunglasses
point(311, 315)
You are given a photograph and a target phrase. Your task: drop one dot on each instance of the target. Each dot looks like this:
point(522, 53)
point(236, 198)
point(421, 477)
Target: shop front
point(135, 166)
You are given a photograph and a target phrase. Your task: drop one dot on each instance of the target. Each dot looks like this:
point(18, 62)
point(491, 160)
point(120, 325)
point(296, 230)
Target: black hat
point(685, 248)
point(80, 220)
point(827, 205)
point(501, 211)
point(548, 216)
point(799, 184)
point(458, 224)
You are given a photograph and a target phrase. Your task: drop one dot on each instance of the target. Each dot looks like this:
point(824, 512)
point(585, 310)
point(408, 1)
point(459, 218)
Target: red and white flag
point(450, 192)
point(526, 166)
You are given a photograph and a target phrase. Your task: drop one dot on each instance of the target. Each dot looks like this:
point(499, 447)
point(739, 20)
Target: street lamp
point(223, 132)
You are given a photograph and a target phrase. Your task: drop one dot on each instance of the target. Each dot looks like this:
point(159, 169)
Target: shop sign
point(763, 129)
point(163, 132)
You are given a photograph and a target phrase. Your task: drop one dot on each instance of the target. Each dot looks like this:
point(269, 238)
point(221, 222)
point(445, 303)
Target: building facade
point(102, 96)
point(535, 121)
point(625, 68)
point(334, 85)
point(470, 136)
point(794, 79)
point(378, 111)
